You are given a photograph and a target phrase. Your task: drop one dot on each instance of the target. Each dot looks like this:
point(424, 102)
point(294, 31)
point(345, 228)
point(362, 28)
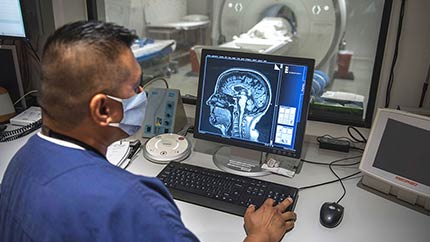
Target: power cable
point(396, 52)
point(339, 179)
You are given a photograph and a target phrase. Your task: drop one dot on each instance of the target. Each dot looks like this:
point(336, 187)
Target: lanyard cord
point(53, 134)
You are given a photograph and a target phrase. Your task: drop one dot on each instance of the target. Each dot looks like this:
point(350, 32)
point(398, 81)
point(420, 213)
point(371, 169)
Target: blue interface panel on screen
point(254, 101)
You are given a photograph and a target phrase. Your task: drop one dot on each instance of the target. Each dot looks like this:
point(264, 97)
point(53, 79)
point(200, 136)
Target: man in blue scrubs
point(59, 185)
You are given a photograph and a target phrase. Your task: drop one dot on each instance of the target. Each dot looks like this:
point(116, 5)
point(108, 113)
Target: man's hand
point(269, 223)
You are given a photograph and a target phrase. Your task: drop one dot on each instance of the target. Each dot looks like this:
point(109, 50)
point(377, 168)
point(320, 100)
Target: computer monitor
point(397, 152)
point(11, 21)
point(10, 78)
point(254, 101)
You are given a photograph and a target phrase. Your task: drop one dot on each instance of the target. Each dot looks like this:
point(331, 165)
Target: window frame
point(94, 5)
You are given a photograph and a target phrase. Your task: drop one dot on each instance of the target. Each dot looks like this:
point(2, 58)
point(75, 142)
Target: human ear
point(104, 110)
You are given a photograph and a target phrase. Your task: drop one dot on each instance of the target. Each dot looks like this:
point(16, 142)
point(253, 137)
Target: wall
point(361, 31)
point(41, 18)
point(200, 7)
point(413, 59)
point(136, 14)
point(129, 13)
point(164, 11)
point(66, 11)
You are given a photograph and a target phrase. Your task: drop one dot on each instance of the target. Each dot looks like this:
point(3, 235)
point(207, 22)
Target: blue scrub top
point(55, 193)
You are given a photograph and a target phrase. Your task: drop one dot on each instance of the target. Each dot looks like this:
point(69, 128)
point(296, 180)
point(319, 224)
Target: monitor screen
point(11, 21)
point(253, 101)
point(397, 150)
point(407, 159)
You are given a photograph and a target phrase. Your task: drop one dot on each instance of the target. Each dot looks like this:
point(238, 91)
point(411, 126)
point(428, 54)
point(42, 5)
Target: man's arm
point(269, 223)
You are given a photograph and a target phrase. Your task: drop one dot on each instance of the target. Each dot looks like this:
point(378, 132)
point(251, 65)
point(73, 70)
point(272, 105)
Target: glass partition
point(345, 37)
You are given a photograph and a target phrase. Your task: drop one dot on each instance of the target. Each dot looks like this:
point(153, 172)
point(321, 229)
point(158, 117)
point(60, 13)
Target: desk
point(368, 217)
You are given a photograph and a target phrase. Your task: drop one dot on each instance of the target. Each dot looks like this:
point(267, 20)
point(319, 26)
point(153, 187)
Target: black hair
point(79, 60)
point(101, 35)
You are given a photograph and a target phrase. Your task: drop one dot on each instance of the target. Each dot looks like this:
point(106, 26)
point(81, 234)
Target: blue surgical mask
point(134, 109)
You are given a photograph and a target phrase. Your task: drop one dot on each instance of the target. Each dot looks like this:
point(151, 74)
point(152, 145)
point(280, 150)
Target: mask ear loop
point(114, 98)
point(118, 100)
point(114, 124)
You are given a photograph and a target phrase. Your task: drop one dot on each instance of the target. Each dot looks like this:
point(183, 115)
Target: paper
point(118, 152)
point(278, 167)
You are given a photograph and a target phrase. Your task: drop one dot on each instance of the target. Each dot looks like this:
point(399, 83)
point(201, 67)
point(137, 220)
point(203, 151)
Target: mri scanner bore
point(307, 28)
point(241, 97)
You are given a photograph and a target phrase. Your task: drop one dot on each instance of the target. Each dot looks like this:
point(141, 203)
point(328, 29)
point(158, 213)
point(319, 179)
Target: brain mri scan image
point(240, 98)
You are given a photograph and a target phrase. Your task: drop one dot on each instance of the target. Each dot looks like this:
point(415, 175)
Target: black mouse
point(331, 214)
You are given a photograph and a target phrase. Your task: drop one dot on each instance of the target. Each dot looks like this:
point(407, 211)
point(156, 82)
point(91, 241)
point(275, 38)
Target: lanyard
point(63, 137)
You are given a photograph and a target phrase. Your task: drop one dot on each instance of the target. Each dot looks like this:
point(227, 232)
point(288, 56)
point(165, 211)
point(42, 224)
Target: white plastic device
point(164, 148)
point(27, 117)
point(165, 112)
point(396, 157)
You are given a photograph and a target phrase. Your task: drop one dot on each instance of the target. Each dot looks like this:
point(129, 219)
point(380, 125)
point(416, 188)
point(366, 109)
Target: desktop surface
point(368, 216)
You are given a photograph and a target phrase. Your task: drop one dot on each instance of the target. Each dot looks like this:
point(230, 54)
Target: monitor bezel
point(23, 24)
point(375, 136)
point(18, 88)
point(310, 63)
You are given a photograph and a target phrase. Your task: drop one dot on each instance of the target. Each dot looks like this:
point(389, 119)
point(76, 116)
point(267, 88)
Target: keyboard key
point(219, 190)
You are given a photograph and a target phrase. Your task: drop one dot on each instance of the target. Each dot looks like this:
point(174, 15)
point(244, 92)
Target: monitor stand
point(240, 161)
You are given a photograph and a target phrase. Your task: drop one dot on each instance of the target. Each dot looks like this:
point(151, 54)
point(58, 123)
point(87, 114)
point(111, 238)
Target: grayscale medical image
point(241, 97)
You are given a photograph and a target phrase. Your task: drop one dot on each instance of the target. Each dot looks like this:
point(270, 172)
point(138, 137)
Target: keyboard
point(220, 190)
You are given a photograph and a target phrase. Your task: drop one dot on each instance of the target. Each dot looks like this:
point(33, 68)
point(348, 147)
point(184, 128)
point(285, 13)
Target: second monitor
point(253, 101)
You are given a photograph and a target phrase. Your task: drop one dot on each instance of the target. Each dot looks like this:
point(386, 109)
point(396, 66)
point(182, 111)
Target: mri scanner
point(304, 28)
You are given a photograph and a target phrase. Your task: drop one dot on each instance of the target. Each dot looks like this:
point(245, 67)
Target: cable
point(190, 129)
point(424, 89)
point(362, 140)
point(28, 93)
point(340, 180)
point(330, 165)
point(132, 151)
point(184, 131)
point(329, 182)
point(7, 136)
point(356, 148)
point(327, 164)
point(396, 52)
point(33, 50)
point(156, 79)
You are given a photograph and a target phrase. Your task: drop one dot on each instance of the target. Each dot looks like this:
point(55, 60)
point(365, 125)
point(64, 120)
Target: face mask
point(134, 109)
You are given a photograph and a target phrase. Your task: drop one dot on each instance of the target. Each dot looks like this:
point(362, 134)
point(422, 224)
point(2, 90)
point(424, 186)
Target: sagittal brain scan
point(253, 101)
point(241, 97)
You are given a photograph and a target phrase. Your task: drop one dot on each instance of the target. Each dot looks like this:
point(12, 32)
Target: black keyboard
point(220, 190)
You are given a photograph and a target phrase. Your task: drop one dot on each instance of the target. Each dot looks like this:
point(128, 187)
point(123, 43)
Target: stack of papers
point(122, 153)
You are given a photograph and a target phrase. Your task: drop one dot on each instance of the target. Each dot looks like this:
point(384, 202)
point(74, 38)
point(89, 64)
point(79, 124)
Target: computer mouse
point(331, 214)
